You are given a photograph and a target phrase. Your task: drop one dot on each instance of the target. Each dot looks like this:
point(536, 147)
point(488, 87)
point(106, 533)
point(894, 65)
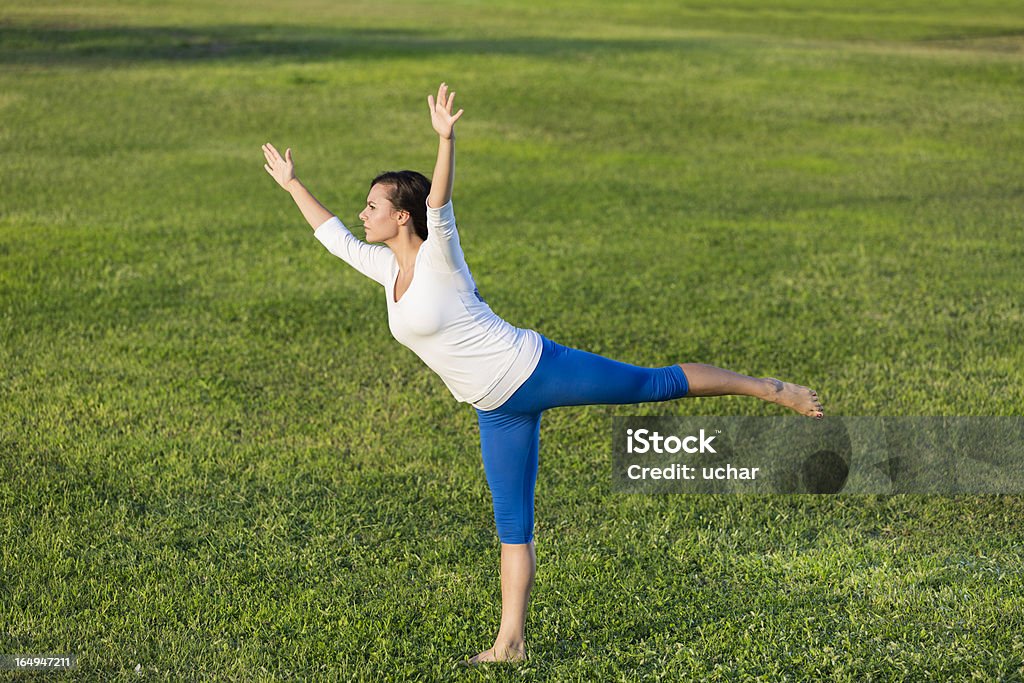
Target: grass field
point(218, 465)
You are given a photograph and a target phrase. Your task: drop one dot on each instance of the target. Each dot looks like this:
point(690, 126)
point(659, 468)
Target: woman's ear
point(402, 216)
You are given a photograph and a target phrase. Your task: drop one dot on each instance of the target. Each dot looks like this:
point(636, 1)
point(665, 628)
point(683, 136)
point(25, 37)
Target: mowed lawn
point(218, 465)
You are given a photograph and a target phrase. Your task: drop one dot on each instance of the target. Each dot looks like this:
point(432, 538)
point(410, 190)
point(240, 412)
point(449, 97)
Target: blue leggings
point(510, 434)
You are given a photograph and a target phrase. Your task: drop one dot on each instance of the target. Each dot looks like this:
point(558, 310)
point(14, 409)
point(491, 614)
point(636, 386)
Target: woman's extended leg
point(570, 377)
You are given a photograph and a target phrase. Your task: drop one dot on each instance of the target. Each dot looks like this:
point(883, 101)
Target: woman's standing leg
point(509, 444)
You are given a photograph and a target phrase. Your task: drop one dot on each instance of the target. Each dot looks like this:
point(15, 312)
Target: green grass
point(220, 466)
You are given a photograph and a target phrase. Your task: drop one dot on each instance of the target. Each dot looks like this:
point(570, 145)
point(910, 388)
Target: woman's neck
point(405, 246)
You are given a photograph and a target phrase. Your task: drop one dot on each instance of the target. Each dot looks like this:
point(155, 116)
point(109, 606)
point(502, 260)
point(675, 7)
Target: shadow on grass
point(105, 45)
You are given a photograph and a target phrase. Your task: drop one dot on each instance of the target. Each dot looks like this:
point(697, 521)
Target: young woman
point(510, 375)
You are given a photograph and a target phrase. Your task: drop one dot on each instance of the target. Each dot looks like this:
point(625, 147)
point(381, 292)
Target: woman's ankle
point(509, 650)
point(513, 644)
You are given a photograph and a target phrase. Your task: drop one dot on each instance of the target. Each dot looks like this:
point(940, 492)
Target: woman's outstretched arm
point(444, 123)
point(282, 169)
point(371, 260)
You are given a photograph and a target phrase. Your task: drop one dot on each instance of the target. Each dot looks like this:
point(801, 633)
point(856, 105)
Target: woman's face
point(380, 218)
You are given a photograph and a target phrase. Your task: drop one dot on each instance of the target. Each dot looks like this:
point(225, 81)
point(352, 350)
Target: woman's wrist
point(292, 185)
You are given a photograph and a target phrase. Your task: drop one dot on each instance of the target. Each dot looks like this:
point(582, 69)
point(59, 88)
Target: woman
point(509, 375)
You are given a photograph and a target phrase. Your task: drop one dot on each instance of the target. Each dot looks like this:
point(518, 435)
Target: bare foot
point(801, 399)
point(498, 653)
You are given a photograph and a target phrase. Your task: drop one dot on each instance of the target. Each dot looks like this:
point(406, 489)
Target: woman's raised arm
point(282, 169)
point(444, 123)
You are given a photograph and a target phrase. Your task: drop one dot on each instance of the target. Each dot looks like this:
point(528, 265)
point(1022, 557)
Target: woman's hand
point(444, 123)
point(280, 169)
point(441, 112)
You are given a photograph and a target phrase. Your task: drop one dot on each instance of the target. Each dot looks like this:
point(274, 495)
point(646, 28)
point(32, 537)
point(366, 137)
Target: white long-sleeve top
point(481, 358)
